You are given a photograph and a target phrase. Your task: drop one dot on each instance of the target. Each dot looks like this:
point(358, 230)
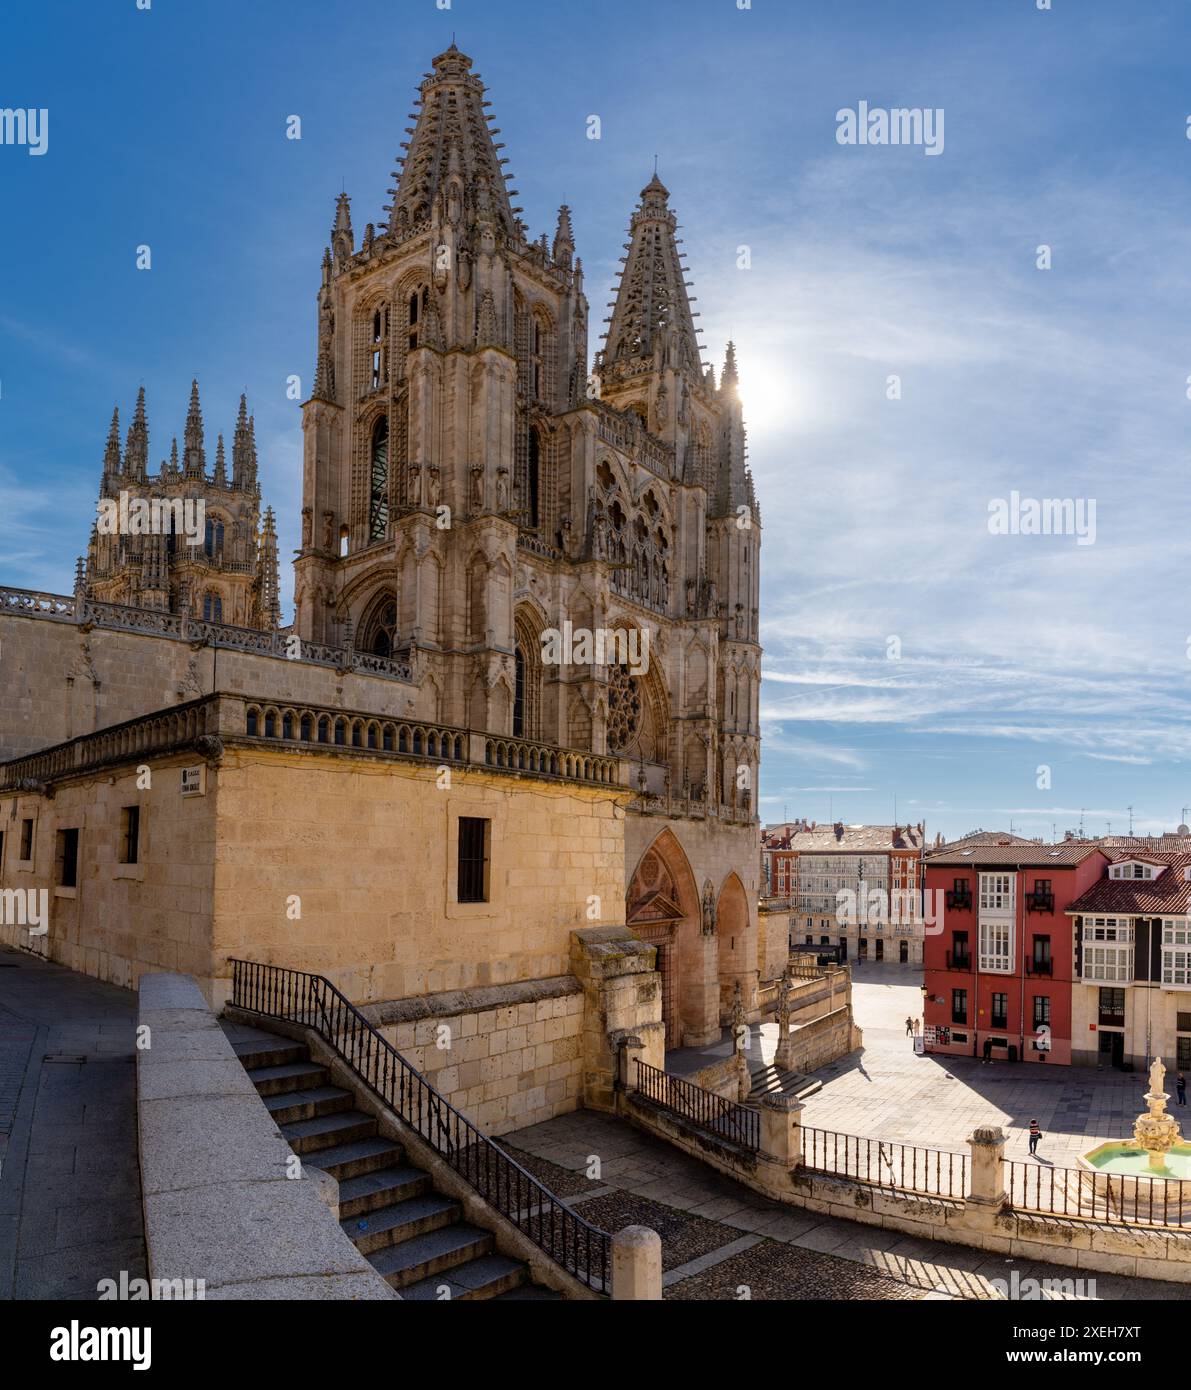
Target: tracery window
point(212, 608)
point(379, 349)
point(624, 708)
point(381, 637)
point(378, 511)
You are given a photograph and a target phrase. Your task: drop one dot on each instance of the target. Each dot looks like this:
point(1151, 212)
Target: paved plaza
point(70, 1197)
point(719, 1236)
point(885, 1091)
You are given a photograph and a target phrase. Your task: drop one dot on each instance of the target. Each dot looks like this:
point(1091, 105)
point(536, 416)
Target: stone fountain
point(1156, 1131)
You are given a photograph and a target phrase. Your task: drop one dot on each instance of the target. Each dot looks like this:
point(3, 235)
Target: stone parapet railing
point(209, 723)
point(184, 628)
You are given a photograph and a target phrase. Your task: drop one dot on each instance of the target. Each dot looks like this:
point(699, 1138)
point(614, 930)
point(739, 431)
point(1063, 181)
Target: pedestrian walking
point(917, 1026)
point(1180, 1086)
point(1035, 1135)
point(987, 1051)
point(909, 1026)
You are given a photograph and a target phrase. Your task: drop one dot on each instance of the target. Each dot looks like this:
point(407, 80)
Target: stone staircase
point(413, 1236)
point(769, 1079)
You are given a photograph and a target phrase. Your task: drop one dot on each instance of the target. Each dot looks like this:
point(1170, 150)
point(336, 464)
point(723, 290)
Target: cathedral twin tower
point(470, 483)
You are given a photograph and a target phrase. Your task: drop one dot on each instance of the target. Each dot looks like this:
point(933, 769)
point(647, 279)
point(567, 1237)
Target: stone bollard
point(781, 1140)
point(630, 1050)
point(986, 1181)
point(637, 1264)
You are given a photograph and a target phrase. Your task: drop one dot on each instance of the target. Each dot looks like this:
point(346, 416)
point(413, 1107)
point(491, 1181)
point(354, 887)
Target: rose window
point(624, 708)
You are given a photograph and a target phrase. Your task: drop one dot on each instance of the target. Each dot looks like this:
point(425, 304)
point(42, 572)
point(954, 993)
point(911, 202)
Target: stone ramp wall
point(219, 1205)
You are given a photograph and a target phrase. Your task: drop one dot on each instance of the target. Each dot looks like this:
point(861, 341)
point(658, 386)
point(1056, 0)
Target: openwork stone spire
point(136, 448)
point(651, 300)
point(269, 580)
point(194, 456)
point(244, 450)
point(111, 455)
point(451, 150)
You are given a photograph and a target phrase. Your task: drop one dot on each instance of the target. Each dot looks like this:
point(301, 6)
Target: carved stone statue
point(477, 487)
point(1157, 1077)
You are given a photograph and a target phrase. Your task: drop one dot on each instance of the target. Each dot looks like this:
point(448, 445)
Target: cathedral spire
point(342, 237)
point(111, 455)
point(564, 239)
point(195, 457)
point(652, 311)
point(451, 152)
point(173, 463)
point(268, 576)
point(244, 450)
point(220, 463)
point(730, 379)
point(136, 448)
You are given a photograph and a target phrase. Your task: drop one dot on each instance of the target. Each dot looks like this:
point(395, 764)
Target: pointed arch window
point(419, 302)
point(519, 694)
point(212, 608)
point(213, 543)
point(533, 479)
point(380, 636)
point(378, 511)
point(380, 347)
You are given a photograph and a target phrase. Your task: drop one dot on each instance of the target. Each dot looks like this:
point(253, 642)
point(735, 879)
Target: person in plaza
point(909, 1026)
point(1180, 1086)
point(988, 1050)
point(917, 1026)
point(1035, 1135)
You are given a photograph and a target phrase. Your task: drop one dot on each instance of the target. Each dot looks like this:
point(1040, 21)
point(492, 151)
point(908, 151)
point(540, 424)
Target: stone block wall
point(504, 1067)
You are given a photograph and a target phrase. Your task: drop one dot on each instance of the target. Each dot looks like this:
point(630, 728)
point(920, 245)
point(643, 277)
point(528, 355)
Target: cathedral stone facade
point(226, 571)
point(455, 806)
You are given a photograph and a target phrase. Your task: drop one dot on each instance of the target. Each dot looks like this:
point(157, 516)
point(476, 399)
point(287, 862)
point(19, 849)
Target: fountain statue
point(1156, 1131)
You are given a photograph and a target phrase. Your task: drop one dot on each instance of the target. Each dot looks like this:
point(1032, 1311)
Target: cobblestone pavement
point(885, 1091)
point(772, 1250)
point(70, 1198)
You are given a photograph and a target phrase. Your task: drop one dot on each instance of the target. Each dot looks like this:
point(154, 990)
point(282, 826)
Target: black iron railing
point(880, 1163)
point(1120, 1198)
point(723, 1118)
point(1040, 902)
point(1039, 967)
point(313, 1002)
point(959, 960)
point(958, 901)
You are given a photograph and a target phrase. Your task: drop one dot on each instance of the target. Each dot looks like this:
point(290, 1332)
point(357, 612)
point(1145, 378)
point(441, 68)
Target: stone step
point(489, 1276)
point(415, 1216)
point(275, 1053)
point(288, 1106)
point(347, 1161)
point(371, 1191)
point(287, 1076)
point(328, 1131)
point(434, 1253)
point(536, 1293)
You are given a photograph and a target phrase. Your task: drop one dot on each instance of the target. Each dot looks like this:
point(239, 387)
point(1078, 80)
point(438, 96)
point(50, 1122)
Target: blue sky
point(1064, 127)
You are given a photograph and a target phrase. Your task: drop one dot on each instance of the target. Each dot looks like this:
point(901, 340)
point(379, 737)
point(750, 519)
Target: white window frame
point(995, 945)
point(997, 892)
point(1107, 964)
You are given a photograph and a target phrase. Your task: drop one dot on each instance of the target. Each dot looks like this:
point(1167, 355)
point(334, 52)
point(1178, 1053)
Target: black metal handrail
point(723, 1118)
point(314, 1002)
point(1125, 1199)
point(880, 1163)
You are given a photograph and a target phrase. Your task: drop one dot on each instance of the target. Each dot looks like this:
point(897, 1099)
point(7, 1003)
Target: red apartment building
point(999, 964)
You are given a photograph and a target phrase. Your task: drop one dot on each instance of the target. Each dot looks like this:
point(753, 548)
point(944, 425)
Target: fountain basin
point(1130, 1160)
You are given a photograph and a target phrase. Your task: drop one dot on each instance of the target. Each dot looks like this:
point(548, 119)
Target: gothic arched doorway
point(736, 946)
point(662, 908)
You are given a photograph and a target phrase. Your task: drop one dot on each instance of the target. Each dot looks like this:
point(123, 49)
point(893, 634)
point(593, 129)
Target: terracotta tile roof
point(1170, 892)
point(1028, 853)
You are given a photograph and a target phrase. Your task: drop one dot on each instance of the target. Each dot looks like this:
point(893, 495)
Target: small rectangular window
point(26, 840)
point(473, 859)
point(1000, 1011)
point(1041, 1010)
point(130, 834)
point(67, 859)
